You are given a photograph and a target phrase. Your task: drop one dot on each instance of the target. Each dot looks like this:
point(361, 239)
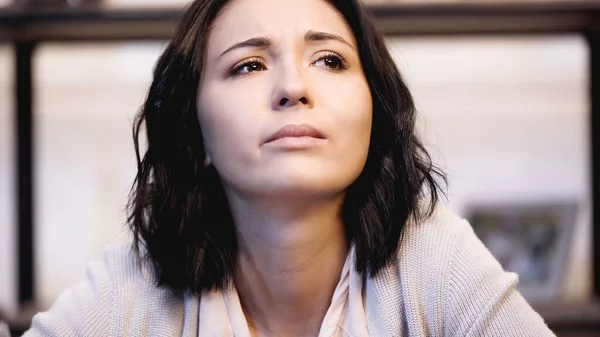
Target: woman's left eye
point(332, 61)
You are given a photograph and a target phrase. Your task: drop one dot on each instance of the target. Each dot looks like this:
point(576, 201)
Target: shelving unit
point(25, 28)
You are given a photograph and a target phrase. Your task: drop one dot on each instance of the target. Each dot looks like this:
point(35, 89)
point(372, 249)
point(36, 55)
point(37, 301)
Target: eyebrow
point(309, 36)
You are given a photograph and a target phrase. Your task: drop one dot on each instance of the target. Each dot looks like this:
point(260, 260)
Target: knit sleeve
point(85, 309)
point(482, 297)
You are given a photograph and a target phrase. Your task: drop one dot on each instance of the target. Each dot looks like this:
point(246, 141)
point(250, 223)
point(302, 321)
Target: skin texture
point(285, 196)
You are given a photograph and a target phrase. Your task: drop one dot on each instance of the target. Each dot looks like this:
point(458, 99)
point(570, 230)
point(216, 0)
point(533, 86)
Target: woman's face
point(287, 66)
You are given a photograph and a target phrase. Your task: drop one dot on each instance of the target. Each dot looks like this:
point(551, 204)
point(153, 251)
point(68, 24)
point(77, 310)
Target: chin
point(300, 183)
point(296, 179)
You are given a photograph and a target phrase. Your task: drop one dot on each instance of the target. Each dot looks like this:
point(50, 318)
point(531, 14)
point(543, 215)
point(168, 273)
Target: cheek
point(212, 124)
point(229, 128)
point(354, 120)
point(352, 117)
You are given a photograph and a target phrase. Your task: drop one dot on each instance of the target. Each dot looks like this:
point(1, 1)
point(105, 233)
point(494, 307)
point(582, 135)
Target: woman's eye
point(333, 62)
point(247, 67)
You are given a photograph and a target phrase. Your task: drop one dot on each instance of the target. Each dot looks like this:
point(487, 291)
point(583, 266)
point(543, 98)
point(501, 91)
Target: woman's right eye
point(247, 67)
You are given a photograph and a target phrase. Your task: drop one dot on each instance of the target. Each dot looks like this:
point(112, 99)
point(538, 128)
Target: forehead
point(276, 19)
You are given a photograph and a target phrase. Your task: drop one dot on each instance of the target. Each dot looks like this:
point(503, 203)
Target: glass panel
point(507, 118)
point(8, 234)
point(87, 96)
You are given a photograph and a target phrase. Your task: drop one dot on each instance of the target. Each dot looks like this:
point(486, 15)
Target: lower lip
point(296, 142)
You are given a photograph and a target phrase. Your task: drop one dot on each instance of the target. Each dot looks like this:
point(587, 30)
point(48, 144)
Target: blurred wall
point(505, 117)
point(86, 98)
point(508, 119)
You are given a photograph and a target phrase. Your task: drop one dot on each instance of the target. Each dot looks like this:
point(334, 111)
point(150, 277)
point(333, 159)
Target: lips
point(302, 130)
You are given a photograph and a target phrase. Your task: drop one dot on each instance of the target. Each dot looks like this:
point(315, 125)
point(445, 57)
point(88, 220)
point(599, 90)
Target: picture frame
point(532, 240)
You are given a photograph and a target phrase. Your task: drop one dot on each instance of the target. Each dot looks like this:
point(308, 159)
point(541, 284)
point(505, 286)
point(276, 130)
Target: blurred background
point(505, 109)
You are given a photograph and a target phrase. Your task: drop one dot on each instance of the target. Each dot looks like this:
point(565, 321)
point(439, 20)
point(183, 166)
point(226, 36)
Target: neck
point(289, 263)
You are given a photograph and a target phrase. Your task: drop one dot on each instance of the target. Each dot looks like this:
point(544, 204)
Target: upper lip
point(295, 130)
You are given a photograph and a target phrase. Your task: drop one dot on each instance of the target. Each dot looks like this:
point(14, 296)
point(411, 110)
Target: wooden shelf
point(571, 317)
point(99, 23)
point(487, 17)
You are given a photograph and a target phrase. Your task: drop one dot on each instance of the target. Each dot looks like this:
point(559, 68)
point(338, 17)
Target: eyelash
point(235, 71)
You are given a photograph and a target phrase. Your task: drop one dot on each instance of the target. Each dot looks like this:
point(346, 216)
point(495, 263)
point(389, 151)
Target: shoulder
point(434, 239)
point(447, 244)
point(118, 295)
point(443, 225)
point(145, 307)
point(122, 273)
point(417, 284)
point(444, 251)
point(448, 283)
point(126, 267)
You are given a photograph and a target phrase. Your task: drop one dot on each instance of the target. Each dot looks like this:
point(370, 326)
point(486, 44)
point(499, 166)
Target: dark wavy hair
point(177, 209)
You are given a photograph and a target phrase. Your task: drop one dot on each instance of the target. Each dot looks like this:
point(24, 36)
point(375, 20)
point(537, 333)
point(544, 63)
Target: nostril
point(303, 100)
point(283, 101)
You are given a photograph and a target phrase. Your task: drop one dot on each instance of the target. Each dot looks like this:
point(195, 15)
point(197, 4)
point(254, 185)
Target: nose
point(291, 89)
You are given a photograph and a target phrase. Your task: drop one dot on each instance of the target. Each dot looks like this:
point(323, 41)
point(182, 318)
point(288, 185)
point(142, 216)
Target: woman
point(281, 194)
